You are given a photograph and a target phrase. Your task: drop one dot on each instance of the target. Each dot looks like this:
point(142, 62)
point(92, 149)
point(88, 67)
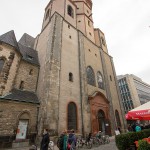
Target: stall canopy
point(139, 113)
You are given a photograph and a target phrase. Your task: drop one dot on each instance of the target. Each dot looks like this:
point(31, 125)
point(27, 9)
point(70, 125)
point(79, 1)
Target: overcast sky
point(126, 24)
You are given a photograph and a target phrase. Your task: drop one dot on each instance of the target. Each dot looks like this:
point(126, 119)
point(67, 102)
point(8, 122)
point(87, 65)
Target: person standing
point(45, 140)
point(137, 128)
point(65, 139)
point(71, 140)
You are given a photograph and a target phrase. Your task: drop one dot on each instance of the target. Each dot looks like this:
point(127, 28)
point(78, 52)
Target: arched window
point(117, 118)
point(90, 76)
point(70, 77)
point(100, 80)
point(72, 116)
point(70, 11)
point(1, 64)
point(47, 14)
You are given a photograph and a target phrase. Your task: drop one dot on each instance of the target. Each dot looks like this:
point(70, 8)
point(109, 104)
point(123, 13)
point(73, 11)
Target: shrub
point(143, 145)
point(123, 141)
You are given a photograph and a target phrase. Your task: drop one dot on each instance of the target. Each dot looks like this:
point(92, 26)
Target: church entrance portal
point(99, 113)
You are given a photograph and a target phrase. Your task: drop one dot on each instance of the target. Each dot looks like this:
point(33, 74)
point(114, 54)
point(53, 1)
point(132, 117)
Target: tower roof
point(10, 38)
point(27, 40)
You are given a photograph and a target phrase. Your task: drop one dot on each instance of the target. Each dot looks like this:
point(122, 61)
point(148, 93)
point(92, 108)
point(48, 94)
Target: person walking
point(71, 140)
point(45, 140)
point(60, 142)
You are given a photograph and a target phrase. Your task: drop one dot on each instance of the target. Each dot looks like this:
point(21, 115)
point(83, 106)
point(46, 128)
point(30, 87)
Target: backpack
point(60, 141)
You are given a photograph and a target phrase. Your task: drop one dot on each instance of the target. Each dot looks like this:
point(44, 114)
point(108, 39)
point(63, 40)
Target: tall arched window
point(72, 116)
point(90, 76)
point(70, 11)
point(1, 64)
point(100, 80)
point(117, 118)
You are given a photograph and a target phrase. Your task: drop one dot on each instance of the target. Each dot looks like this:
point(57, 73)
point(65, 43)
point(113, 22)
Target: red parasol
point(140, 113)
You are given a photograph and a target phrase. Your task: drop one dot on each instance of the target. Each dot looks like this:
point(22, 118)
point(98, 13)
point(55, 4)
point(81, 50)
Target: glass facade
point(125, 95)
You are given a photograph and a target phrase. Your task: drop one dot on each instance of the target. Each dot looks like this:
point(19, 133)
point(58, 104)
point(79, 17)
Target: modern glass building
point(133, 90)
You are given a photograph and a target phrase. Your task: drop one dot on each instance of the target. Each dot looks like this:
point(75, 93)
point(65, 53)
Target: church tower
point(77, 84)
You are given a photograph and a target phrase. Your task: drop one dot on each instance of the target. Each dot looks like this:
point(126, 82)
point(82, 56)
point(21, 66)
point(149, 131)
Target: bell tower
point(84, 18)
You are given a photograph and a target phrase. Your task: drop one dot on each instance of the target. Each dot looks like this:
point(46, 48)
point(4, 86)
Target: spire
point(10, 38)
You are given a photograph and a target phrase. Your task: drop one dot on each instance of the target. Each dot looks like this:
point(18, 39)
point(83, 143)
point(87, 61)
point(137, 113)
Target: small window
point(89, 23)
point(77, 8)
point(70, 11)
point(68, 26)
point(47, 14)
point(21, 87)
point(31, 72)
point(89, 50)
point(70, 36)
point(96, 55)
point(79, 21)
point(103, 41)
point(87, 11)
point(110, 78)
point(29, 57)
point(90, 33)
point(1, 64)
point(70, 77)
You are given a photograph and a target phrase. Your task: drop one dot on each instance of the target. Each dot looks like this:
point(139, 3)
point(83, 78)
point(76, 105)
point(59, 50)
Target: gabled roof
point(10, 38)
point(22, 96)
point(30, 55)
point(27, 40)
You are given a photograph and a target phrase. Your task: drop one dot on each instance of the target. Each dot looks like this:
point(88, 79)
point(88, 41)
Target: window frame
point(70, 11)
point(90, 80)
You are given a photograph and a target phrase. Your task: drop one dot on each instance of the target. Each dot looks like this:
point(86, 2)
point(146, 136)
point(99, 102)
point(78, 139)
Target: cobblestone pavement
point(110, 146)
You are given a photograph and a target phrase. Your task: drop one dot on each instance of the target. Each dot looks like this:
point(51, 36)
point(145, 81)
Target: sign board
point(22, 129)
point(117, 132)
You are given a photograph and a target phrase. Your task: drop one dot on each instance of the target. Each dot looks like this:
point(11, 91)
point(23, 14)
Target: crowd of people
point(135, 127)
point(67, 141)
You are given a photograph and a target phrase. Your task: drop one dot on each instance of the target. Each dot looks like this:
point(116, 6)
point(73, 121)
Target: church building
point(62, 79)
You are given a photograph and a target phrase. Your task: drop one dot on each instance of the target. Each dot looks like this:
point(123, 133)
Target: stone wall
point(10, 113)
point(11, 65)
point(29, 77)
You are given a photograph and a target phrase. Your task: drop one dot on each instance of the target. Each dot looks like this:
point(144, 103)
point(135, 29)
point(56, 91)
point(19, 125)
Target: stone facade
point(12, 112)
point(18, 82)
point(67, 45)
point(74, 78)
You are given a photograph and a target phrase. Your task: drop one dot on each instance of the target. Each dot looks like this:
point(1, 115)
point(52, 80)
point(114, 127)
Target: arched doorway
point(101, 120)
point(23, 124)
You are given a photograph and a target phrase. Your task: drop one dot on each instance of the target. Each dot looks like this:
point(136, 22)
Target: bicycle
point(84, 142)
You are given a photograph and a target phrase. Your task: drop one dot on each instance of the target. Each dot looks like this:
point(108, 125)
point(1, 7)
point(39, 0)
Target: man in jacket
point(45, 140)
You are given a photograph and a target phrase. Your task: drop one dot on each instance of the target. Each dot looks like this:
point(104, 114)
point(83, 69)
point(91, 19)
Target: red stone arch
point(98, 102)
